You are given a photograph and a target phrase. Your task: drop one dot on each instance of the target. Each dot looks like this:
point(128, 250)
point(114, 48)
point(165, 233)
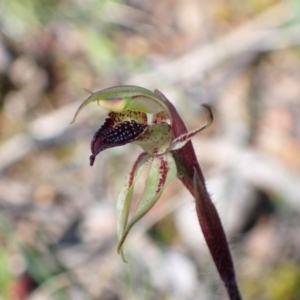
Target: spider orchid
point(148, 119)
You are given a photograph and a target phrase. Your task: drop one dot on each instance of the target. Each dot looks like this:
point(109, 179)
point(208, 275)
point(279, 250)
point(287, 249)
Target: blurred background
point(57, 214)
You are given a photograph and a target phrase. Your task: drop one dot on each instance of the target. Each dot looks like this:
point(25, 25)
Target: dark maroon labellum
point(110, 135)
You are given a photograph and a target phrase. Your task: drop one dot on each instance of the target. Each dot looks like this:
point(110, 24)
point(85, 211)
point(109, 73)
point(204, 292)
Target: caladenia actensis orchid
point(149, 119)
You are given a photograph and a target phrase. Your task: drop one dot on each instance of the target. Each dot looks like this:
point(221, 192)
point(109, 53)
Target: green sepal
point(127, 97)
point(125, 196)
point(162, 171)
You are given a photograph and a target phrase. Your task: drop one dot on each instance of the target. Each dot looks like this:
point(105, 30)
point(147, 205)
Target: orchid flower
point(148, 119)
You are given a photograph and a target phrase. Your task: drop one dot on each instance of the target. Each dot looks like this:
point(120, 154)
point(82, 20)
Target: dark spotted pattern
point(110, 135)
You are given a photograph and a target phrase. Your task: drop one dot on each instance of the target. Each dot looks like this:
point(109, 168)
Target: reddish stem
point(189, 172)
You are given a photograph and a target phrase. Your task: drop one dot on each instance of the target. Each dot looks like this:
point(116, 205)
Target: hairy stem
point(189, 172)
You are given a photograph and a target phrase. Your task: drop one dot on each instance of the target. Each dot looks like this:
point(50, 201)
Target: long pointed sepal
point(162, 171)
point(125, 196)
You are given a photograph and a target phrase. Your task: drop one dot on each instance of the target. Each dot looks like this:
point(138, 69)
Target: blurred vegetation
point(57, 216)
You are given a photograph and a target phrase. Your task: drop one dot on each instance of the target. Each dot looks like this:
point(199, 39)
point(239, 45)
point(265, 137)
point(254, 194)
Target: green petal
point(128, 97)
point(180, 141)
point(125, 196)
point(162, 171)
